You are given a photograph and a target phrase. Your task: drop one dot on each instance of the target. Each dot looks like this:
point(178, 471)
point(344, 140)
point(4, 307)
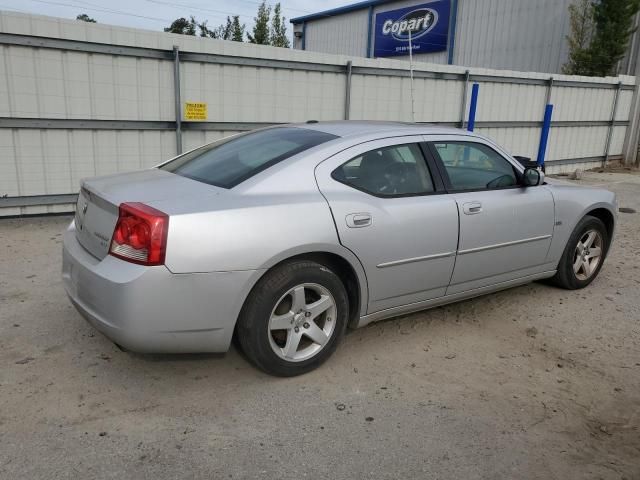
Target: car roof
point(357, 128)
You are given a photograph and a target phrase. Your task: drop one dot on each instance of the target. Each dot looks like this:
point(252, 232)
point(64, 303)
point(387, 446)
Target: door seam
point(455, 259)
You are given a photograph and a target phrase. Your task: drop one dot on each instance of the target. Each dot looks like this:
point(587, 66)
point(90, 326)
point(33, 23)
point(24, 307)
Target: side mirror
point(532, 177)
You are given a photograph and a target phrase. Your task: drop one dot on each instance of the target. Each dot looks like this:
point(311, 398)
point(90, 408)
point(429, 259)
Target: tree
point(614, 27)
point(183, 26)
point(224, 31)
point(231, 30)
point(204, 31)
point(581, 24)
point(261, 27)
point(83, 17)
point(237, 30)
point(600, 33)
point(279, 28)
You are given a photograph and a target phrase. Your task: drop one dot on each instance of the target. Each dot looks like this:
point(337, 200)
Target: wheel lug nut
point(296, 329)
point(307, 314)
point(306, 325)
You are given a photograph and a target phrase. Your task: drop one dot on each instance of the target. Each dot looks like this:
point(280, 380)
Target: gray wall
point(524, 35)
point(343, 35)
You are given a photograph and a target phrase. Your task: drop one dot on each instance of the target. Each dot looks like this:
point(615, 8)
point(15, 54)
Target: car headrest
point(374, 163)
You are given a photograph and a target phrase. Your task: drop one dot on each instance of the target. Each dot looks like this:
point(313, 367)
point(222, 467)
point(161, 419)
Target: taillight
point(140, 235)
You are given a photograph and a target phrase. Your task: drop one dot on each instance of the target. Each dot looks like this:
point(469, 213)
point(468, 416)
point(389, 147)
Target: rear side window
point(231, 161)
point(391, 171)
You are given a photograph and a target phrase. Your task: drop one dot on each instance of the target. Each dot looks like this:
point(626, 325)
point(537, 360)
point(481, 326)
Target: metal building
point(524, 35)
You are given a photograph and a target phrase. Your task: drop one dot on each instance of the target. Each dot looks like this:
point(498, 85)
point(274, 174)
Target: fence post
point(612, 122)
point(473, 107)
point(546, 126)
point(549, 88)
point(463, 104)
point(630, 150)
point(347, 96)
point(178, 101)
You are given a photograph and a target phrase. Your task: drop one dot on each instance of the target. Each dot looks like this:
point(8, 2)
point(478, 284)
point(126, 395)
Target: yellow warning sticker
point(195, 111)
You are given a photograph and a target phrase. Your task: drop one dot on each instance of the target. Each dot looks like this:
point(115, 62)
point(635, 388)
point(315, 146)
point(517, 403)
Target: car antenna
point(413, 110)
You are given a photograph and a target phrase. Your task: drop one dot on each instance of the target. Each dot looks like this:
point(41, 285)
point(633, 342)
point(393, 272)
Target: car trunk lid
point(100, 197)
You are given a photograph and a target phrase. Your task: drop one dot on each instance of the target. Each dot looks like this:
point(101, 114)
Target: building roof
point(340, 10)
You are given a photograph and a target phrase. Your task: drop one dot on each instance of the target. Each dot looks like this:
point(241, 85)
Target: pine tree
point(205, 31)
point(237, 30)
point(224, 31)
point(582, 25)
point(600, 33)
point(279, 28)
point(614, 27)
point(261, 27)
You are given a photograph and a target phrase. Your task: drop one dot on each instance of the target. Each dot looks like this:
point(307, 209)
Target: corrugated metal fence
point(79, 100)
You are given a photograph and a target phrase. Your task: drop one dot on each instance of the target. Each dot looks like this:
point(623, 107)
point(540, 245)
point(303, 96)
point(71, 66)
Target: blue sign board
point(427, 25)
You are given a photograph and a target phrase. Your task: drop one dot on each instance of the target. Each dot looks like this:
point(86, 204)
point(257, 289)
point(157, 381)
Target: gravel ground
point(530, 383)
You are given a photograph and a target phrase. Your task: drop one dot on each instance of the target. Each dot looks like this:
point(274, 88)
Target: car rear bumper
point(150, 309)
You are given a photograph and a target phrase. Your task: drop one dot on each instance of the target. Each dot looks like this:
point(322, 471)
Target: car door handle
point(471, 208)
point(358, 220)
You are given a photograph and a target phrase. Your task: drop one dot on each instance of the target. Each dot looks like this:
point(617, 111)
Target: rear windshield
point(229, 162)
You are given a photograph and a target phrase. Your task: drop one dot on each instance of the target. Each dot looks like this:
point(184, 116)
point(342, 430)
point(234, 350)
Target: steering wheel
point(501, 181)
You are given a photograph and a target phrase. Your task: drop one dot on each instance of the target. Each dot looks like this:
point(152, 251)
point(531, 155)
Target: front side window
point(475, 166)
point(389, 171)
point(231, 161)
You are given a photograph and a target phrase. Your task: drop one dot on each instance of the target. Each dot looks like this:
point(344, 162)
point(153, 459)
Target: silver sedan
point(289, 235)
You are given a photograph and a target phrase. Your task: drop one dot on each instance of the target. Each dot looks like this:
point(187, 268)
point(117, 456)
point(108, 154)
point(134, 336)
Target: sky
point(157, 14)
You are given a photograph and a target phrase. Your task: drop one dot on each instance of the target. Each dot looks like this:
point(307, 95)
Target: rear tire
point(583, 255)
point(294, 318)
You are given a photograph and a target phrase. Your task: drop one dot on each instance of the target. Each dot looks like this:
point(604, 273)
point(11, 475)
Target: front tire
point(584, 254)
point(294, 318)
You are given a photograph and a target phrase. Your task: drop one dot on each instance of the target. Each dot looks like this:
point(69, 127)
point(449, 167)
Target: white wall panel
point(517, 141)
point(510, 102)
point(389, 98)
point(570, 103)
point(624, 105)
point(8, 164)
point(617, 141)
point(45, 83)
point(41, 162)
point(576, 142)
point(237, 94)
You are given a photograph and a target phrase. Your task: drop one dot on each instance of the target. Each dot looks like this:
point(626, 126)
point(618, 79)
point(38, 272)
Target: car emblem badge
point(84, 209)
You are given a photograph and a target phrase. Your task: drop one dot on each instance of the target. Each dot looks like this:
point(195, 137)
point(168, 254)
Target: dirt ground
point(531, 383)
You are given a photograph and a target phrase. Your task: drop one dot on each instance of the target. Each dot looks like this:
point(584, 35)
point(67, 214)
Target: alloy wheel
point(302, 322)
point(588, 254)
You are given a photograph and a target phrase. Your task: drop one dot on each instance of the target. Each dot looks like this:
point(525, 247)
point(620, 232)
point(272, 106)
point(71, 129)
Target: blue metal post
point(473, 106)
point(452, 30)
point(369, 29)
point(544, 135)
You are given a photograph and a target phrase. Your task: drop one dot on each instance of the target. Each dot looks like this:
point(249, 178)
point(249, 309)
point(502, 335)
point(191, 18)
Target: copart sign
point(426, 25)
